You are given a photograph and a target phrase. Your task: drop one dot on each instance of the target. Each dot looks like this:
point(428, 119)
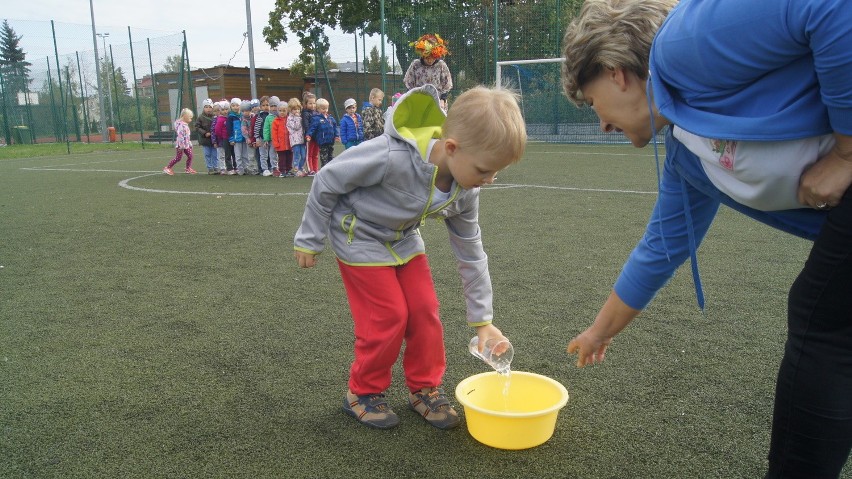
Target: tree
point(526, 28)
point(300, 67)
point(373, 64)
point(13, 65)
point(172, 64)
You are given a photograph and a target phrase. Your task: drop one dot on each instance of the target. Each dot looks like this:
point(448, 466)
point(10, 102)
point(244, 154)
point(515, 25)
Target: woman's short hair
point(610, 34)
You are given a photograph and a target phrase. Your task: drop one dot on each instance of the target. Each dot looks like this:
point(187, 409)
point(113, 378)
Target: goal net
point(549, 115)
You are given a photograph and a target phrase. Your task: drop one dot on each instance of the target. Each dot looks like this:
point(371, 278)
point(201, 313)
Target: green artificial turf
point(156, 326)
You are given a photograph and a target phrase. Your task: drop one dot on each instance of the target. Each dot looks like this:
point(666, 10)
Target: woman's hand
point(824, 183)
point(589, 347)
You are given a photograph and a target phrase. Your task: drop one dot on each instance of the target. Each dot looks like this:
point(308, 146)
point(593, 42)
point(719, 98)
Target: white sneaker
point(267, 173)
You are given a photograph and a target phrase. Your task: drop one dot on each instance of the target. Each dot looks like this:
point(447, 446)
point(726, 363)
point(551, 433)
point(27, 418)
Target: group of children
point(286, 139)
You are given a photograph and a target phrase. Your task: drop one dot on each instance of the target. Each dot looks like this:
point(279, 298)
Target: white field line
point(569, 188)
point(126, 183)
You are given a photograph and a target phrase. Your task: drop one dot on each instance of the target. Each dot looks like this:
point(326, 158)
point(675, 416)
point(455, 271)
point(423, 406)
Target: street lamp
point(109, 87)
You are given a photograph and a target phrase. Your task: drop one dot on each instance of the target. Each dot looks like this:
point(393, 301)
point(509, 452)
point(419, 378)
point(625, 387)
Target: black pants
point(812, 423)
point(230, 159)
point(326, 153)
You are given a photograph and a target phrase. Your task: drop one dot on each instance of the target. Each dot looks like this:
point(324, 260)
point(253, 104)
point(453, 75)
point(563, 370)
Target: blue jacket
point(780, 71)
point(323, 129)
point(349, 132)
point(234, 125)
point(755, 70)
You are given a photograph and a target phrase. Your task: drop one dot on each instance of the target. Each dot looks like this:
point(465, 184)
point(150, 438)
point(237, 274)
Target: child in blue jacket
point(324, 131)
point(351, 125)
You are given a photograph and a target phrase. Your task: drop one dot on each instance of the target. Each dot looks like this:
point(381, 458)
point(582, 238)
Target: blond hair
point(609, 34)
point(488, 120)
point(308, 96)
point(186, 112)
point(375, 92)
point(322, 102)
point(293, 104)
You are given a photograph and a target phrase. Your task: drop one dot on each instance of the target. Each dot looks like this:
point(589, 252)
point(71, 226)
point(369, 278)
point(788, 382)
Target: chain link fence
point(479, 35)
point(60, 90)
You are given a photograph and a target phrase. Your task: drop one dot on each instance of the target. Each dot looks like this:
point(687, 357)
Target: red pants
point(313, 158)
point(390, 304)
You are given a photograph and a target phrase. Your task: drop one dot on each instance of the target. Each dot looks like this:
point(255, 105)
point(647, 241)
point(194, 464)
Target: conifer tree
point(13, 65)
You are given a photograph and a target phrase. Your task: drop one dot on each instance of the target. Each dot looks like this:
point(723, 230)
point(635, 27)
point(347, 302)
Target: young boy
point(280, 141)
point(324, 131)
point(204, 129)
point(311, 149)
point(257, 122)
point(272, 162)
point(374, 118)
point(235, 141)
point(220, 131)
point(396, 185)
point(242, 148)
point(351, 125)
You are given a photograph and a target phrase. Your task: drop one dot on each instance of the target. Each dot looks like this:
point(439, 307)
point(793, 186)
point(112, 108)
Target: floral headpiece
point(430, 45)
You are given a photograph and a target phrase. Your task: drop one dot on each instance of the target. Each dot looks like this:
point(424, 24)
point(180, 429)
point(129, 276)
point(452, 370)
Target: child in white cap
point(351, 125)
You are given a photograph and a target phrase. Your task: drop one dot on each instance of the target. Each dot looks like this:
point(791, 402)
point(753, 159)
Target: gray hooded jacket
point(370, 201)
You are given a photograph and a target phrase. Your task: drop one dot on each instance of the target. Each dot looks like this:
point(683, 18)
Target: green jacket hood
point(417, 118)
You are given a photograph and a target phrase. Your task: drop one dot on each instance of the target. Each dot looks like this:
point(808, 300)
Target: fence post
point(61, 91)
point(180, 82)
point(6, 131)
point(366, 78)
point(382, 55)
point(115, 92)
point(154, 90)
point(328, 84)
point(357, 76)
point(70, 97)
point(29, 114)
point(189, 77)
point(136, 90)
point(85, 99)
point(53, 109)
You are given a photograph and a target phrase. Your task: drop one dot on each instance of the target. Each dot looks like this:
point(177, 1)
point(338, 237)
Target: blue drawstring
point(693, 250)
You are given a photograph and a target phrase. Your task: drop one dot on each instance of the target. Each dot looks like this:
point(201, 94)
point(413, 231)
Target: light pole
point(98, 76)
point(109, 87)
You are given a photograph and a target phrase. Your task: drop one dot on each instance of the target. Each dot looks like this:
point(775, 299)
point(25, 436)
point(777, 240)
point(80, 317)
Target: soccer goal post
point(548, 113)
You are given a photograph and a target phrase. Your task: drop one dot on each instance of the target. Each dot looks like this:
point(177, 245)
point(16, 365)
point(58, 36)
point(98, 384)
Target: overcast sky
point(214, 29)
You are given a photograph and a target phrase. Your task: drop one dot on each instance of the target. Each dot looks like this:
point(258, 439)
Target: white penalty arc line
point(124, 184)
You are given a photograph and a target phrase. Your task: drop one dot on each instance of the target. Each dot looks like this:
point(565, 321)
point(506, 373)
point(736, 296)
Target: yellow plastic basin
point(525, 417)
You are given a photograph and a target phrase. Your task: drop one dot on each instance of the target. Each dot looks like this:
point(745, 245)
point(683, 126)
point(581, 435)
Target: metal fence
point(63, 92)
point(479, 34)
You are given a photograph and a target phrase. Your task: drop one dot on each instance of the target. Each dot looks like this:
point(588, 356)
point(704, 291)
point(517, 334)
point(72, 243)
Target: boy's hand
point(487, 332)
point(232, 143)
point(308, 138)
point(305, 260)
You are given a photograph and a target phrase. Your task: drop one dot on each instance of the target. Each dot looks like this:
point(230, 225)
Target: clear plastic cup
point(496, 353)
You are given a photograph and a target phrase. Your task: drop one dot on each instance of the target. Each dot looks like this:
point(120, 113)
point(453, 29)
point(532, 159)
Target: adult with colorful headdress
point(430, 68)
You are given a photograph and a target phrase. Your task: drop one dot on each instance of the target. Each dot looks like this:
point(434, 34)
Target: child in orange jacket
point(281, 143)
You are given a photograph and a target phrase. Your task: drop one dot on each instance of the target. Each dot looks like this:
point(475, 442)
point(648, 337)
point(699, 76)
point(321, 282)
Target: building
point(226, 82)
